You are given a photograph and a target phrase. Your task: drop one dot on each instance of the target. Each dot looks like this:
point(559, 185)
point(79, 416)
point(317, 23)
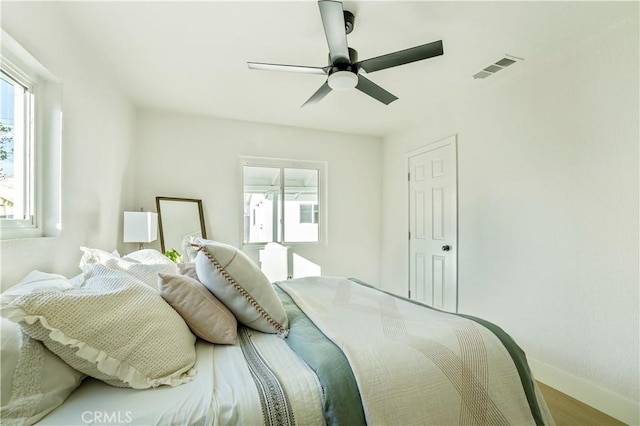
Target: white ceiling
point(192, 56)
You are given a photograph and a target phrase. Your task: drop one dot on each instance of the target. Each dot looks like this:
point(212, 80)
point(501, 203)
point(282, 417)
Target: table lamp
point(140, 227)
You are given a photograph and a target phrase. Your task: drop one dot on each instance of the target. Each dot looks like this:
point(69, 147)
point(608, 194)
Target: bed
point(352, 354)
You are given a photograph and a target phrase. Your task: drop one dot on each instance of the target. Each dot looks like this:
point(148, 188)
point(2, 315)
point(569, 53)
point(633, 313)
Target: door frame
point(448, 140)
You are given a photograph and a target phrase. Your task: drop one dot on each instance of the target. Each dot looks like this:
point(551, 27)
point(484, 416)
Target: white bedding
point(412, 365)
point(222, 392)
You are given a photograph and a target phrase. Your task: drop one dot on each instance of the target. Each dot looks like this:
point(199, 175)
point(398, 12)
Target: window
point(16, 148)
point(308, 213)
point(282, 201)
point(30, 140)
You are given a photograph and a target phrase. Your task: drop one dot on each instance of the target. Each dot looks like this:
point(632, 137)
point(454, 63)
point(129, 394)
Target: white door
point(433, 225)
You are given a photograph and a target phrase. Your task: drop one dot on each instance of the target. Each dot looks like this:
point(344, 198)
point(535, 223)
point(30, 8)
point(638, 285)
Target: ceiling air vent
point(494, 68)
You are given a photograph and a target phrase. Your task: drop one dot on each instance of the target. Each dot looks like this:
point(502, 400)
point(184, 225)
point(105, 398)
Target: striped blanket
point(417, 365)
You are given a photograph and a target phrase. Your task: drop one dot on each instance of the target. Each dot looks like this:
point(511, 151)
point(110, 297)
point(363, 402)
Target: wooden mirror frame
point(188, 200)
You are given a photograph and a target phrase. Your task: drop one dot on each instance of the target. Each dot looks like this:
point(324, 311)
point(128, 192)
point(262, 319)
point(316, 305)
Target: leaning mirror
point(179, 218)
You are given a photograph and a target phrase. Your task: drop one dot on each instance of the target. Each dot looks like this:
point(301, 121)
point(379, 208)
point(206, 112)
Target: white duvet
point(222, 393)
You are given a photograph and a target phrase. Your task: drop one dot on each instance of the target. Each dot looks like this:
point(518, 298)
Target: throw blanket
point(416, 365)
point(341, 403)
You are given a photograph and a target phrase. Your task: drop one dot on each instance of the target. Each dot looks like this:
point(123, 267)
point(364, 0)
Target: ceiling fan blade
point(402, 57)
point(319, 95)
point(370, 88)
point(334, 28)
point(288, 68)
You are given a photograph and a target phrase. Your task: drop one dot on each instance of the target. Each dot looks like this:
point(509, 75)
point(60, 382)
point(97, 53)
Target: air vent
point(505, 62)
point(494, 68)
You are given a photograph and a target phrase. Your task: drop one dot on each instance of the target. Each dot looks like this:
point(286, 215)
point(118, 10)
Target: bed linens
point(188, 404)
point(223, 391)
point(354, 355)
point(416, 365)
point(341, 399)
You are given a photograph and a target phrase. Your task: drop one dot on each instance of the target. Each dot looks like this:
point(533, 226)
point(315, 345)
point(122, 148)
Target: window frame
point(282, 164)
point(313, 212)
point(30, 190)
point(45, 140)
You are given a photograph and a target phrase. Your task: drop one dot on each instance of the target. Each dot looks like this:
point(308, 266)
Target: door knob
point(446, 248)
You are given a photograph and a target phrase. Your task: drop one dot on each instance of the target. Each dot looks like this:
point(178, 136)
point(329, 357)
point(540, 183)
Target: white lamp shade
point(140, 227)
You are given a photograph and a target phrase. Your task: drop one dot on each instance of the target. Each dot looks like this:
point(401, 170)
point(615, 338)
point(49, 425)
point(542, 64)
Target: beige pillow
point(112, 327)
point(238, 283)
point(206, 316)
point(188, 269)
point(33, 380)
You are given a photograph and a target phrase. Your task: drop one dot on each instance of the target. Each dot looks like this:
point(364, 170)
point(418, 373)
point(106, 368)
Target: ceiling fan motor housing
point(344, 75)
point(341, 66)
point(349, 21)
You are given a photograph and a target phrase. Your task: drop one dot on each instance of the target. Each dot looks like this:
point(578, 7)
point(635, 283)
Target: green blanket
point(342, 404)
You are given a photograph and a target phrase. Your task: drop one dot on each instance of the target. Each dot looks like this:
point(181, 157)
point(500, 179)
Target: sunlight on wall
point(274, 262)
point(304, 267)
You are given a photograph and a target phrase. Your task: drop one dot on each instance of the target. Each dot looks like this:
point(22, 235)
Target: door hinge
point(409, 177)
point(409, 296)
point(409, 234)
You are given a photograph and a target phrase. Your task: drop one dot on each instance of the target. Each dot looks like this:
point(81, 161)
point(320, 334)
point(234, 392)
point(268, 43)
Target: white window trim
point(46, 145)
point(23, 225)
point(320, 166)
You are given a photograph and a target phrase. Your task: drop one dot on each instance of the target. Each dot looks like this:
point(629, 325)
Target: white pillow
point(94, 255)
point(112, 327)
point(33, 381)
point(238, 283)
point(190, 252)
point(144, 265)
point(33, 282)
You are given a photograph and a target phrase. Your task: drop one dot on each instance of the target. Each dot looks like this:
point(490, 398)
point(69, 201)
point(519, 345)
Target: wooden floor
point(568, 411)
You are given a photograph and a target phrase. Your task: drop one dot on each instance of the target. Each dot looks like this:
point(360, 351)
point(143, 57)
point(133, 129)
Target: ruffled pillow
point(112, 327)
point(33, 380)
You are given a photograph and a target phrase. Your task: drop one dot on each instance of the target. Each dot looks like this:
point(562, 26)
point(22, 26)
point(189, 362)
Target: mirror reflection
point(179, 220)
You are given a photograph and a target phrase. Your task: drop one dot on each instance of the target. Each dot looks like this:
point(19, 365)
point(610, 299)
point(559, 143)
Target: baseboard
point(623, 409)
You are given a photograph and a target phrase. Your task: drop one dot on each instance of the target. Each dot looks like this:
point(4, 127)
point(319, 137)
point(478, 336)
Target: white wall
point(548, 207)
point(548, 189)
point(98, 130)
point(192, 156)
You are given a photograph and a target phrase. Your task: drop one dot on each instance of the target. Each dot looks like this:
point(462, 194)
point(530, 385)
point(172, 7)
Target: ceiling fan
point(343, 71)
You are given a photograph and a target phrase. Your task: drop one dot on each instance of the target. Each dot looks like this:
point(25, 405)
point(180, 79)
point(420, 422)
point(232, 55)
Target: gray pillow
point(238, 283)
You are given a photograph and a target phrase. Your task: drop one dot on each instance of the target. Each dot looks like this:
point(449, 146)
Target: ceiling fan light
point(343, 80)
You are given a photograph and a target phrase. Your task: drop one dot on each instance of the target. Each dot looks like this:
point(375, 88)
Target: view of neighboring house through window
point(281, 204)
point(16, 177)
